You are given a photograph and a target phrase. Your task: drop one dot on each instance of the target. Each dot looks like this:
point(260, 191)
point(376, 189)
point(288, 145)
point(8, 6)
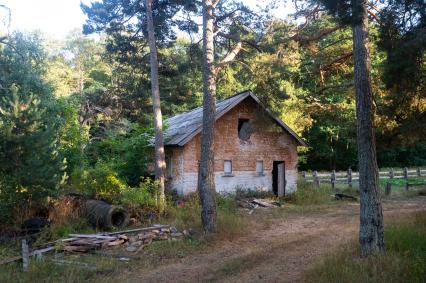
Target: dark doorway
point(278, 178)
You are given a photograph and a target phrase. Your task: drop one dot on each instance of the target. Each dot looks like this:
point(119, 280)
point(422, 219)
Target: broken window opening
point(244, 129)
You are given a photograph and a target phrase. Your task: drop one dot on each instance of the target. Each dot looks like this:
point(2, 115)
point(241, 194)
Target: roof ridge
point(217, 102)
point(184, 126)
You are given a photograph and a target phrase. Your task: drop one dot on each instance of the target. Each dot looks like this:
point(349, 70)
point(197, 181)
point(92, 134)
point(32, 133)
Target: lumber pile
point(133, 240)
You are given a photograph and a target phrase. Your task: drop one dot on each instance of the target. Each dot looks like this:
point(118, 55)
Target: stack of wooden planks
point(133, 240)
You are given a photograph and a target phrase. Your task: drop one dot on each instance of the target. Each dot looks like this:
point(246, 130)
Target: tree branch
point(337, 60)
point(215, 2)
point(375, 17)
point(305, 39)
point(324, 88)
point(229, 57)
point(237, 38)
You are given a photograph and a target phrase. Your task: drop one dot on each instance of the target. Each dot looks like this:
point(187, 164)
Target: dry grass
point(78, 269)
point(404, 260)
point(65, 209)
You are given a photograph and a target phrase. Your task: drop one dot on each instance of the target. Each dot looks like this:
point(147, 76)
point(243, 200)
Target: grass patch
point(404, 260)
point(187, 215)
point(307, 194)
point(45, 270)
point(401, 182)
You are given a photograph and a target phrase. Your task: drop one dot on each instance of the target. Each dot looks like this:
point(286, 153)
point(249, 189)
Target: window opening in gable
point(244, 129)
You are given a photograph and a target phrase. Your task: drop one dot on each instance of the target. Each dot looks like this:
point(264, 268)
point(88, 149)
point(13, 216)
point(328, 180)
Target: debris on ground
point(105, 215)
point(252, 204)
point(133, 240)
point(340, 196)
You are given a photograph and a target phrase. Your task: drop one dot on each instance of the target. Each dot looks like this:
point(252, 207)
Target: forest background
point(76, 113)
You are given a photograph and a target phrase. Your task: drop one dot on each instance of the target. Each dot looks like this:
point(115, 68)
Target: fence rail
point(350, 177)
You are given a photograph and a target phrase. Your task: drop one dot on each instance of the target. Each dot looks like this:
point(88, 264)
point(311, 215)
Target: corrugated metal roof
point(183, 127)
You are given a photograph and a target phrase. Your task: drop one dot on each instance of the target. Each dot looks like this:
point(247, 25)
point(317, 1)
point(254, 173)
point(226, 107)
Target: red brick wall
point(268, 143)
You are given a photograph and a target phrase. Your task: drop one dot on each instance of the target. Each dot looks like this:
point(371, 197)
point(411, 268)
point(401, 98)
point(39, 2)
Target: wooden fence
point(350, 177)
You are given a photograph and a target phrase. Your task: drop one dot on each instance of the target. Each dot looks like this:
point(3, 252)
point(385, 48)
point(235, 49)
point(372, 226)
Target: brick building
point(253, 149)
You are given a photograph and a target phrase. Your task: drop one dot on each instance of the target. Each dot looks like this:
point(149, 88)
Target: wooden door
point(278, 178)
point(281, 179)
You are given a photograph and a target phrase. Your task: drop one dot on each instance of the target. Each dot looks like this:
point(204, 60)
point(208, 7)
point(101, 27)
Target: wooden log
point(115, 243)
point(388, 188)
point(138, 230)
point(144, 237)
point(92, 236)
point(77, 248)
point(25, 256)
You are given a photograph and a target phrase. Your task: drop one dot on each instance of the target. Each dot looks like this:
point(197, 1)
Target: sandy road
point(281, 253)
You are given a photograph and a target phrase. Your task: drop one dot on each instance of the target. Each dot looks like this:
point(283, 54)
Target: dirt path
point(279, 254)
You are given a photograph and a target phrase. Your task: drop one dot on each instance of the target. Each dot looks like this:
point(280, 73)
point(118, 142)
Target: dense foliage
point(31, 166)
point(76, 115)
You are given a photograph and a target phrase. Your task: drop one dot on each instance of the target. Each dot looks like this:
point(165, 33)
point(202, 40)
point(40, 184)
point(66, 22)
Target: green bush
point(143, 196)
point(127, 147)
point(100, 182)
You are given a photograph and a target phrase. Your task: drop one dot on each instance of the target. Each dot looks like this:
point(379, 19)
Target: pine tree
point(155, 32)
point(30, 164)
point(371, 233)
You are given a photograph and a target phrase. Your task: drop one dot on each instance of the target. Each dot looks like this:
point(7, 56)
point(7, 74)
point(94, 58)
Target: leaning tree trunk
point(206, 185)
point(371, 217)
point(160, 163)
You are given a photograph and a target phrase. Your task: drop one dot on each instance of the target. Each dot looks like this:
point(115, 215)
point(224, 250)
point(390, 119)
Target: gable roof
point(181, 128)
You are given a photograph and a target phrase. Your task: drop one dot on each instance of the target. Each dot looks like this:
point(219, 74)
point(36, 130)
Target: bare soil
point(280, 253)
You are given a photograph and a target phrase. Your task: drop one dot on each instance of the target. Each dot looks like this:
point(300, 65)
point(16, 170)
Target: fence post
point(333, 179)
point(406, 186)
point(350, 177)
point(316, 179)
point(419, 172)
point(388, 188)
point(391, 174)
point(25, 256)
point(304, 175)
point(405, 173)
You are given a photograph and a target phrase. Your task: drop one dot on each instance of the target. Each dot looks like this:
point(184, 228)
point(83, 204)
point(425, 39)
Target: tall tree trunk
point(160, 163)
point(371, 217)
point(206, 185)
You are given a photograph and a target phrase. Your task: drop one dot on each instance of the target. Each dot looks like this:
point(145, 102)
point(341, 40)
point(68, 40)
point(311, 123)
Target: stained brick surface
point(268, 142)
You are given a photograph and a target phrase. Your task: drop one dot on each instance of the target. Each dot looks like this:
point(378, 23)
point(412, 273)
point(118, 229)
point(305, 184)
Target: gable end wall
point(268, 143)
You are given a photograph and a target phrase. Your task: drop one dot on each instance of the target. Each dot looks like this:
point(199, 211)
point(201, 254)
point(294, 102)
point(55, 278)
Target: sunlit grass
point(403, 261)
